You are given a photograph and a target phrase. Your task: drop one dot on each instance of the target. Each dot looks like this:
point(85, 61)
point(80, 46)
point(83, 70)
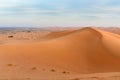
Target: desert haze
point(71, 54)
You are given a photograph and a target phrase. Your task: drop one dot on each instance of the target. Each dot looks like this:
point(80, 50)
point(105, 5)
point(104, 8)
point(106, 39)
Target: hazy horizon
point(42, 13)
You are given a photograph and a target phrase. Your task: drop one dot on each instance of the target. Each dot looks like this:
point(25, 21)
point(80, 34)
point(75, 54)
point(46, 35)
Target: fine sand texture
point(82, 54)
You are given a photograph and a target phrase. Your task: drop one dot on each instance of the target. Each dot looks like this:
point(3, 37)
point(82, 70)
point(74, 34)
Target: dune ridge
point(68, 32)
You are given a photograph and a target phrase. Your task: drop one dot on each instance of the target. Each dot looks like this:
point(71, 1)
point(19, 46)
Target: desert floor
point(60, 54)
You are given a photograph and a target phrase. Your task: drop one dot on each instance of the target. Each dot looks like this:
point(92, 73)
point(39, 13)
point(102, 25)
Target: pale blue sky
point(60, 12)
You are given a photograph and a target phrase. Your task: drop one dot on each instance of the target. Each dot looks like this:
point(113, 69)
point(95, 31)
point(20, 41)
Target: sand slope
point(87, 50)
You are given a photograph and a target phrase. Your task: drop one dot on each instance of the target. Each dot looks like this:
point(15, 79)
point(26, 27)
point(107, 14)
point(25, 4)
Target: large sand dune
point(87, 50)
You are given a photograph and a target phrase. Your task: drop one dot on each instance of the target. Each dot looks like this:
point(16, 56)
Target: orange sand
point(61, 54)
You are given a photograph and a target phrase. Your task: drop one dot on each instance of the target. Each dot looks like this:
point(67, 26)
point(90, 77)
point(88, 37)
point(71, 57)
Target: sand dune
point(58, 34)
point(86, 50)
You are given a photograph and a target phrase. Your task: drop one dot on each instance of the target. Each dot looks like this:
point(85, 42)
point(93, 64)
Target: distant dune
point(87, 50)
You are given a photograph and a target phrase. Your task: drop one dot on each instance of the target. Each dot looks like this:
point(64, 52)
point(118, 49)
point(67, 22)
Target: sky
point(60, 13)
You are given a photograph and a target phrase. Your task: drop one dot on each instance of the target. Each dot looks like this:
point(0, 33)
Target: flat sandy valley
point(60, 53)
